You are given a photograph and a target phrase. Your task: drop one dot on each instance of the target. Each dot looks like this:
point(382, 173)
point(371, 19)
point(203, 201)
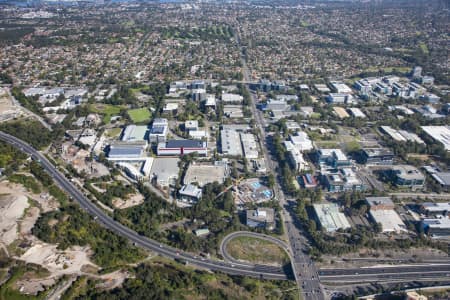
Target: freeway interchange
point(300, 261)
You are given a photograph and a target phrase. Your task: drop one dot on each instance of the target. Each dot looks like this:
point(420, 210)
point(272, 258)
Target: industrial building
point(339, 98)
point(356, 112)
point(442, 178)
point(231, 98)
point(159, 130)
point(182, 147)
point(203, 174)
point(249, 145)
point(164, 171)
point(440, 134)
point(133, 133)
point(401, 135)
point(431, 208)
point(261, 218)
point(377, 156)
point(340, 87)
point(380, 203)
point(340, 112)
point(230, 142)
point(389, 219)
point(330, 218)
point(382, 211)
point(233, 111)
point(124, 151)
point(437, 228)
point(275, 105)
point(190, 193)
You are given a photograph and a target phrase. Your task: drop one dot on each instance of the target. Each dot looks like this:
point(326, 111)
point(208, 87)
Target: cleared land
point(139, 115)
point(257, 251)
point(106, 110)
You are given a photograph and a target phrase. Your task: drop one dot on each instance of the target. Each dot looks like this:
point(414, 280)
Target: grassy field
point(113, 132)
point(106, 110)
point(424, 48)
point(139, 115)
point(257, 251)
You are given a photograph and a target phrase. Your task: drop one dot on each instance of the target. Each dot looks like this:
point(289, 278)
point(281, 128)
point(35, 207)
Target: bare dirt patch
point(132, 200)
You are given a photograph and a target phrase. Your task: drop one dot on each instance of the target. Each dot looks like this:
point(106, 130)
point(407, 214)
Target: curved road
point(228, 238)
point(261, 271)
point(258, 271)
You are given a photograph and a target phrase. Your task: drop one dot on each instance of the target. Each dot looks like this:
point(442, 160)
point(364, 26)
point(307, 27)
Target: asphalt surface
point(258, 271)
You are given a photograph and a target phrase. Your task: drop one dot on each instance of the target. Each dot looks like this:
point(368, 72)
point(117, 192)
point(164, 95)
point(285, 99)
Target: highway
point(303, 267)
point(257, 271)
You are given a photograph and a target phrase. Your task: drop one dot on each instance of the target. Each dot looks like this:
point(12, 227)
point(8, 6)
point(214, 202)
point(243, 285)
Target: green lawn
point(424, 48)
point(139, 115)
point(106, 110)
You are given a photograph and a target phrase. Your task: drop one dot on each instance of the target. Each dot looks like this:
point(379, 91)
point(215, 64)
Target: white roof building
point(230, 142)
point(249, 145)
point(301, 141)
point(440, 134)
point(230, 98)
point(341, 88)
point(390, 221)
point(330, 218)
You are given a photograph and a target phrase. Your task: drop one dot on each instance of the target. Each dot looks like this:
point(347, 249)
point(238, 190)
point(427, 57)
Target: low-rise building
point(329, 217)
point(231, 98)
point(438, 227)
point(431, 208)
point(301, 141)
point(190, 193)
point(182, 147)
point(191, 125)
point(407, 176)
point(249, 145)
point(133, 133)
point(343, 180)
point(334, 158)
point(125, 151)
point(159, 130)
point(380, 203)
point(230, 142)
point(261, 218)
point(440, 134)
point(339, 98)
point(377, 156)
point(389, 220)
point(164, 171)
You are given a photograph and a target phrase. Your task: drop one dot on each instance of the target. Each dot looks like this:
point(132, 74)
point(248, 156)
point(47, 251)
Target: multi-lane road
point(258, 271)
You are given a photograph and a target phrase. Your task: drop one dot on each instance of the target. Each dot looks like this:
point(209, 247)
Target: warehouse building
point(431, 208)
point(330, 218)
point(437, 228)
point(231, 98)
point(182, 147)
point(380, 203)
point(249, 145)
point(164, 171)
point(230, 142)
point(124, 151)
point(382, 211)
point(133, 133)
point(440, 134)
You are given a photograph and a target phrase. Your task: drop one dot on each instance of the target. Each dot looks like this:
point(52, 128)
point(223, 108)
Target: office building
point(164, 171)
point(191, 125)
point(190, 193)
point(408, 176)
point(377, 156)
point(380, 203)
point(249, 145)
point(124, 151)
point(159, 130)
point(231, 98)
point(301, 141)
point(342, 180)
